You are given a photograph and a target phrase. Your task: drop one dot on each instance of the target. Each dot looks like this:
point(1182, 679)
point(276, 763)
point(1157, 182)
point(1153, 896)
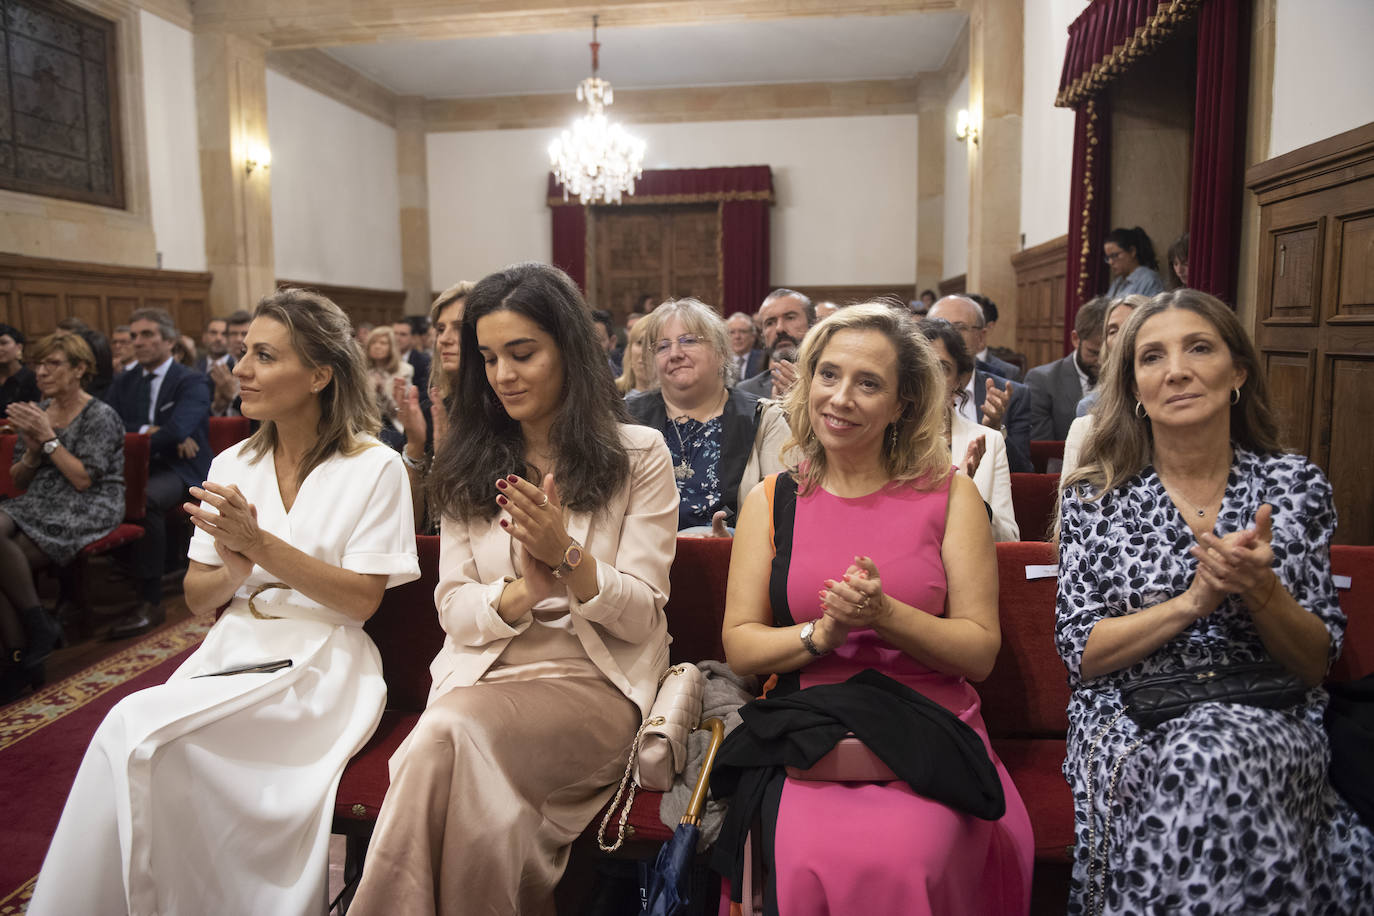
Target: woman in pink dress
point(873, 554)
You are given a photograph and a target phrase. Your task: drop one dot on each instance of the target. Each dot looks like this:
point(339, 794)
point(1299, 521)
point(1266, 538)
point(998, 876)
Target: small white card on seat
point(1041, 572)
point(1342, 581)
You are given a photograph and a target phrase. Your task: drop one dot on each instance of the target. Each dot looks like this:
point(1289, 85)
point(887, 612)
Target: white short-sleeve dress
point(214, 794)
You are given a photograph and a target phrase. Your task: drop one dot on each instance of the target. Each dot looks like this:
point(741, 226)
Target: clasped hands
point(1239, 563)
point(234, 525)
point(32, 423)
point(536, 524)
point(854, 601)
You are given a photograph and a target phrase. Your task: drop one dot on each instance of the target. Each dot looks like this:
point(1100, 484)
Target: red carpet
point(42, 738)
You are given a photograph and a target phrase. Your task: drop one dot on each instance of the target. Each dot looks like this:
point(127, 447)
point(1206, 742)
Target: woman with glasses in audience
point(1190, 542)
point(980, 452)
point(1130, 255)
point(214, 792)
point(723, 440)
point(871, 559)
point(69, 461)
point(558, 533)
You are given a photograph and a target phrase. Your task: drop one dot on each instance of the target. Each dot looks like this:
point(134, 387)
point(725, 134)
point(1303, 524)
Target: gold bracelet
point(1273, 585)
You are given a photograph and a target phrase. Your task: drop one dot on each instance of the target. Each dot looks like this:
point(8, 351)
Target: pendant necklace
point(1200, 510)
point(683, 469)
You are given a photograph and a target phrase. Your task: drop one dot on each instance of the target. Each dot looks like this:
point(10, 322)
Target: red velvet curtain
point(744, 194)
point(1216, 191)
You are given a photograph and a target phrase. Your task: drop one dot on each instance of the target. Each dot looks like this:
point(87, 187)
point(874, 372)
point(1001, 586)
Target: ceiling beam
point(288, 24)
point(669, 106)
point(316, 69)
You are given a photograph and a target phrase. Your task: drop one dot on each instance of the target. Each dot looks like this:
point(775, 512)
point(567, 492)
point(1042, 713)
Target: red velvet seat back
point(7, 443)
point(1027, 693)
point(696, 598)
point(136, 455)
point(1033, 498)
point(1042, 450)
point(1357, 655)
point(227, 431)
point(407, 632)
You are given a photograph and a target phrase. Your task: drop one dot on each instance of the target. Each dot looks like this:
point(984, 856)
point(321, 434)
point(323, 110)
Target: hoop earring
point(1140, 410)
point(1235, 395)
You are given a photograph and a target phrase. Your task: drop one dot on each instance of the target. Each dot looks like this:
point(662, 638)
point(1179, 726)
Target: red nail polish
point(501, 500)
point(501, 484)
point(504, 523)
point(513, 479)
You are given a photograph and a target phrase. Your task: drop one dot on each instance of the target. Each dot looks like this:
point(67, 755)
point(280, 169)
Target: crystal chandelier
point(596, 160)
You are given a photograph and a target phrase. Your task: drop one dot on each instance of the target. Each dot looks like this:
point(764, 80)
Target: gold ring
point(545, 502)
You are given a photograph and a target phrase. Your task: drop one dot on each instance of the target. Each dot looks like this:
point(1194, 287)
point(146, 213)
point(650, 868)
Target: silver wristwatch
point(807, 629)
point(51, 446)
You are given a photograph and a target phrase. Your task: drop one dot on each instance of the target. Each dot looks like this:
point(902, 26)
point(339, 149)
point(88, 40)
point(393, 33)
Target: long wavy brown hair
point(321, 335)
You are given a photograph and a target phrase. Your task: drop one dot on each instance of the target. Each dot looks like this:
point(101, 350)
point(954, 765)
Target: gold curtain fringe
point(1085, 218)
point(709, 197)
point(1159, 27)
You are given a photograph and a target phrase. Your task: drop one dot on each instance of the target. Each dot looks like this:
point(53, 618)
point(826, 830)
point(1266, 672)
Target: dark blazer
point(753, 365)
point(1016, 420)
point(1055, 392)
point(420, 360)
point(182, 411)
point(999, 367)
point(760, 386)
point(202, 363)
point(738, 423)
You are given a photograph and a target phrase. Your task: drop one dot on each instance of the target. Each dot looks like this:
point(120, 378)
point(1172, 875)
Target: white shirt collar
point(161, 369)
point(1084, 382)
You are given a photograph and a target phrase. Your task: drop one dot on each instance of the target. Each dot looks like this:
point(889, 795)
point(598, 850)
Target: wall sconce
point(258, 156)
point(964, 129)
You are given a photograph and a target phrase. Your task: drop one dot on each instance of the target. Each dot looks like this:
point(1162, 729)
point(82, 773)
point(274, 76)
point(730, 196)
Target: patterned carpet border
point(23, 718)
point(18, 902)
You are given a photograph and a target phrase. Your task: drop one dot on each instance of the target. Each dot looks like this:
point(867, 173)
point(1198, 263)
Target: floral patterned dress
point(51, 512)
point(695, 447)
point(1226, 809)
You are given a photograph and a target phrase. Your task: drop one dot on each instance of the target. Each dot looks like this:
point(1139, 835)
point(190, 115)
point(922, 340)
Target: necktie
point(143, 397)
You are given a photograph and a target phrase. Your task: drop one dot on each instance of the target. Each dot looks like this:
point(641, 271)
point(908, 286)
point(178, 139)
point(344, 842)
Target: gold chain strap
point(1097, 864)
point(253, 608)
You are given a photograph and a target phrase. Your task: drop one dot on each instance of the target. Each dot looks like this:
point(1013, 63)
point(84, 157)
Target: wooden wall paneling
point(1349, 459)
point(42, 291)
point(1354, 272)
point(1041, 276)
point(1315, 317)
point(953, 286)
point(845, 295)
point(373, 306)
point(1292, 384)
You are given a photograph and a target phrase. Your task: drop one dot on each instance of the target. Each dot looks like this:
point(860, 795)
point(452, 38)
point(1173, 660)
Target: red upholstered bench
point(1357, 655)
point(1043, 451)
point(226, 432)
point(1033, 498)
point(7, 443)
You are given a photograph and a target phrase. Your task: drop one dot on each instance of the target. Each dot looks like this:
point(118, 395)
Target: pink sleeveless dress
point(846, 848)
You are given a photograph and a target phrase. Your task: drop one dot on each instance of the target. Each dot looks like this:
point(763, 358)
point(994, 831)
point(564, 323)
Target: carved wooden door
point(1315, 314)
point(663, 251)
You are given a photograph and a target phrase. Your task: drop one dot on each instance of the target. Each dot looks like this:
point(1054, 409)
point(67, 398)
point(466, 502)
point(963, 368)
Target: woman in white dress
point(981, 452)
point(213, 794)
point(551, 596)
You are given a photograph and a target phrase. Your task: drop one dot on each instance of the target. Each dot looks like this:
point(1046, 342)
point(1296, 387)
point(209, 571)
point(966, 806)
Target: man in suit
point(983, 358)
point(171, 404)
point(991, 399)
point(224, 393)
point(785, 316)
point(214, 344)
point(748, 358)
point(1057, 387)
point(404, 330)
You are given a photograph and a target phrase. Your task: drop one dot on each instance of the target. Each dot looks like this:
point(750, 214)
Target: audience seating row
point(1024, 700)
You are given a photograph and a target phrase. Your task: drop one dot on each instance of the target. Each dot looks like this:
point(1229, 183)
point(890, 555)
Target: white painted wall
point(169, 104)
point(1046, 131)
point(956, 187)
point(845, 188)
point(335, 190)
point(1323, 70)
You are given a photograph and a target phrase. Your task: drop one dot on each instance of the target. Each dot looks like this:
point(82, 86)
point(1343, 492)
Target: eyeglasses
point(52, 364)
point(686, 342)
point(1113, 256)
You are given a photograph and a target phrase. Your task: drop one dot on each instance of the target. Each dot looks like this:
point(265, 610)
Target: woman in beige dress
point(559, 523)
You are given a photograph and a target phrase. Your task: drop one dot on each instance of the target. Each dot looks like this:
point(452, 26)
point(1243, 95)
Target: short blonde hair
point(920, 454)
point(637, 376)
point(71, 345)
point(697, 318)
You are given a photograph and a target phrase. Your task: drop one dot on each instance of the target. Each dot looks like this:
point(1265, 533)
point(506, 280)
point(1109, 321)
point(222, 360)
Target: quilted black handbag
point(1153, 700)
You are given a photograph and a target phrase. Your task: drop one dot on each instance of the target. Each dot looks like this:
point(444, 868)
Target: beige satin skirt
point(489, 791)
